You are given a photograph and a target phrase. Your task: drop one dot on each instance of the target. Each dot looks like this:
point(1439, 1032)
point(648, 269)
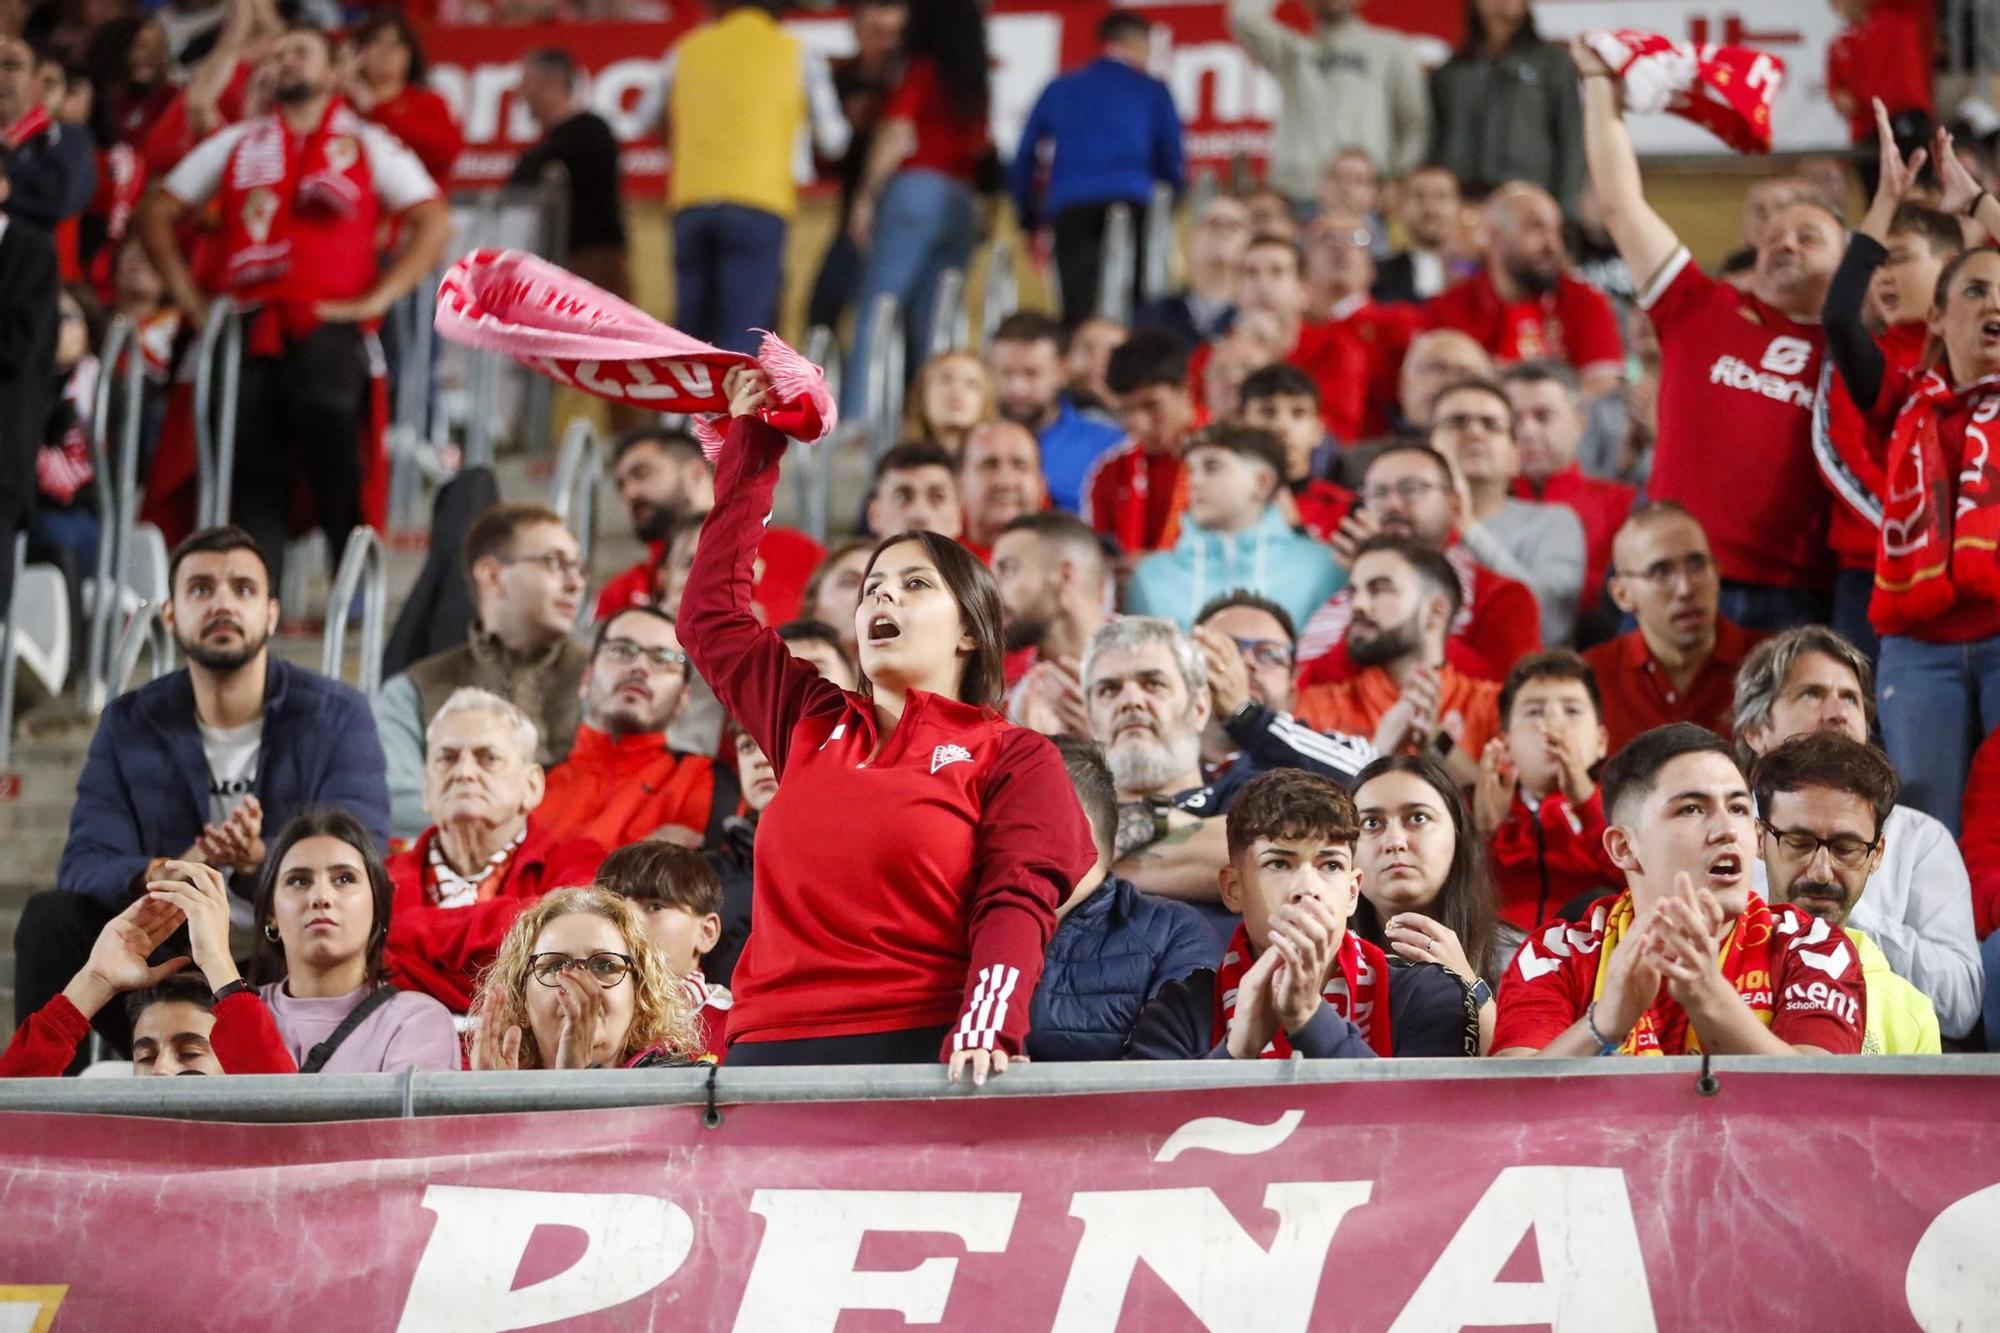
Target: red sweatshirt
point(786, 560)
point(1979, 838)
point(245, 1039)
point(439, 951)
point(900, 882)
point(617, 790)
point(1542, 859)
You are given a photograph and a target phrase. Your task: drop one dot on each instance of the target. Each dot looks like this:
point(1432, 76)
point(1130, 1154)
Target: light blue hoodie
point(1292, 569)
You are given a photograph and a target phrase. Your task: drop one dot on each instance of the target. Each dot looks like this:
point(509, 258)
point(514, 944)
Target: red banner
point(1595, 1203)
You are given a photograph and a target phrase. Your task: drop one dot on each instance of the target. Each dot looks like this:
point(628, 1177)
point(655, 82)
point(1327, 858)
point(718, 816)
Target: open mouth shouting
point(1726, 870)
point(882, 629)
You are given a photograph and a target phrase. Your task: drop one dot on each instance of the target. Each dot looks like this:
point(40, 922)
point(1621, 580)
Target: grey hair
point(1547, 370)
point(1769, 665)
point(471, 699)
point(1128, 634)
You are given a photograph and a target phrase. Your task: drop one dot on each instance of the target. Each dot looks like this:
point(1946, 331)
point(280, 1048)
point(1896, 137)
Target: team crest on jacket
point(949, 754)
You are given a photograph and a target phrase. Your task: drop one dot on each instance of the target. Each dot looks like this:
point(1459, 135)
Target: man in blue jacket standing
point(1103, 135)
point(201, 765)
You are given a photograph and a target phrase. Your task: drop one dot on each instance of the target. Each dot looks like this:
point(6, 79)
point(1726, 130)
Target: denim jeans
point(729, 267)
point(924, 225)
point(1773, 610)
point(1851, 590)
point(1937, 702)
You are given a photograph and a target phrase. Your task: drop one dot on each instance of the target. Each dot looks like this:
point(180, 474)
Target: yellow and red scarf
point(1746, 962)
point(1940, 528)
point(1358, 990)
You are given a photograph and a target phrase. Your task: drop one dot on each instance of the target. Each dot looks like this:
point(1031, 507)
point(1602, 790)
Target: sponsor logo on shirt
point(1827, 999)
point(1772, 377)
point(949, 754)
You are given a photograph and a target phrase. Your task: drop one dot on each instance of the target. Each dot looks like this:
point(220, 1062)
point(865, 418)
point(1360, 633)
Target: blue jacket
point(1114, 132)
point(1070, 444)
point(1109, 958)
point(1292, 569)
point(1430, 1014)
point(144, 788)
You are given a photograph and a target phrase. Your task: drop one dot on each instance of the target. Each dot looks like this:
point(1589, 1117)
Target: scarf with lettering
point(580, 335)
point(1939, 531)
point(1747, 961)
point(1358, 990)
point(1727, 90)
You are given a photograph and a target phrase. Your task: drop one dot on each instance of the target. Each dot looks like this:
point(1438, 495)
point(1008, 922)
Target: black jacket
point(1430, 1014)
point(29, 285)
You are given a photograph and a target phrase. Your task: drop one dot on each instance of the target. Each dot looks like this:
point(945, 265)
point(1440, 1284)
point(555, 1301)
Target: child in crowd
point(1283, 400)
point(680, 897)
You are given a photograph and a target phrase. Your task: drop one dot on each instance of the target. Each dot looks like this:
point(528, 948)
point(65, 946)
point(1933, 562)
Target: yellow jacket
point(1900, 1018)
point(736, 107)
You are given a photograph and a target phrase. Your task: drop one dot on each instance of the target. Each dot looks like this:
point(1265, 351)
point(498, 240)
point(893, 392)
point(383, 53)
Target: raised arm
point(1644, 240)
point(1254, 24)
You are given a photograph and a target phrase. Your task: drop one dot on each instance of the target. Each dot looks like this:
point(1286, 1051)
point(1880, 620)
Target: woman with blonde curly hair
point(579, 984)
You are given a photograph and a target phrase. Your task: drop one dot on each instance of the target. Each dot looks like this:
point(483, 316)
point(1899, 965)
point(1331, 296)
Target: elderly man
point(1206, 308)
point(1524, 305)
point(622, 781)
point(999, 480)
point(483, 859)
point(527, 582)
point(1918, 902)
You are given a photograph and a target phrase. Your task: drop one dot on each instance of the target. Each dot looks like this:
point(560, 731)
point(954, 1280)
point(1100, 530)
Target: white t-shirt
point(232, 765)
point(400, 179)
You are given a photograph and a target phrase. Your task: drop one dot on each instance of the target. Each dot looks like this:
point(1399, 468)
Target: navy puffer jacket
point(1110, 956)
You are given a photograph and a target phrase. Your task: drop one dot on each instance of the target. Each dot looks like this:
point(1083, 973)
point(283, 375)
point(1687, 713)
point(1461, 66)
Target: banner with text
point(1592, 1205)
point(1227, 102)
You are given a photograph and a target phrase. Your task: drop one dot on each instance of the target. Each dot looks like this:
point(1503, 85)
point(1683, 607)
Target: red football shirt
point(1383, 333)
point(1881, 56)
point(1738, 380)
point(1639, 695)
point(1572, 323)
point(1337, 361)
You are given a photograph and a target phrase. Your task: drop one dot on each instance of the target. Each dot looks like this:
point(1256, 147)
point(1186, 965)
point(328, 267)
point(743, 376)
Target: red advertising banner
point(1589, 1204)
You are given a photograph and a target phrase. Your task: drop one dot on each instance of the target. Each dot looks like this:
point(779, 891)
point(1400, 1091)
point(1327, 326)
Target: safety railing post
point(1114, 273)
point(363, 571)
point(118, 498)
point(218, 355)
point(573, 486)
point(822, 349)
point(1156, 281)
point(947, 331)
point(144, 630)
point(885, 365)
point(1001, 294)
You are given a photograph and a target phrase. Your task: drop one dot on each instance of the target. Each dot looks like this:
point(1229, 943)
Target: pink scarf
point(580, 335)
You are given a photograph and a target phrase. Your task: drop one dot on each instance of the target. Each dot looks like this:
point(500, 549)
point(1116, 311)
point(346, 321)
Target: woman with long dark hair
point(385, 71)
point(321, 913)
point(909, 867)
point(1505, 106)
point(1425, 894)
point(914, 213)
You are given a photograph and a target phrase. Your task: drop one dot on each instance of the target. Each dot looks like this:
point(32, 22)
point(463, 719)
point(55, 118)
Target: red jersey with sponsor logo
point(902, 881)
point(1573, 322)
point(1814, 993)
point(1738, 380)
point(1850, 446)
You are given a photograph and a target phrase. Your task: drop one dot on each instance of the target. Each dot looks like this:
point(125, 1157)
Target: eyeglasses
point(1843, 849)
point(1661, 573)
point(1409, 491)
point(558, 564)
point(1265, 652)
point(625, 652)
point(1358, 239)
point(1462, 421)
point(606, 969)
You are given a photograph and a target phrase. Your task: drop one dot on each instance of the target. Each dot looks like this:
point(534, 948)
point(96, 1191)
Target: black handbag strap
point(317, 1057)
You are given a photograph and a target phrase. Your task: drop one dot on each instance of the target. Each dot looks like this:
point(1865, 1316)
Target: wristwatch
point(236, 987)
point(1481, 993)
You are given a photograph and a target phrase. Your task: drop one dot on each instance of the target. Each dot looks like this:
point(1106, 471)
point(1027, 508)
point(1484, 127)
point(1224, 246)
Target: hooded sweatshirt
point(1294, 570)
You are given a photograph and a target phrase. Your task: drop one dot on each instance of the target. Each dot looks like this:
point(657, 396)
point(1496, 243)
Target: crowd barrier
point(573, 487)
point(131, 557)
point(1585, 1196)
point(363, 576)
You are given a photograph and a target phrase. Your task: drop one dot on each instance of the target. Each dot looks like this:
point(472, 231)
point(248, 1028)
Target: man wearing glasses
point(1918, 904)
point(622, 783)
point(1680, 664)
point(1826, 801)
point(527, 583)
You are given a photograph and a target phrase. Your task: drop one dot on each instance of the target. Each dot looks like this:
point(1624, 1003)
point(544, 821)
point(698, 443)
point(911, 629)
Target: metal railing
point(815, 478)
point(215, 419)
point(363, 572)
point(1156, 278)
point(1001, 294)
point(573, 486)
point(144, 630)
point(883, 361)
point(117, 495)
point(1114, 272)
point(949, 331)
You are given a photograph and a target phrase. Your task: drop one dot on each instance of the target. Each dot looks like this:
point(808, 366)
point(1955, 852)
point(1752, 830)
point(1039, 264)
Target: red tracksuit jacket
point(905, 889)
point(245, 1039)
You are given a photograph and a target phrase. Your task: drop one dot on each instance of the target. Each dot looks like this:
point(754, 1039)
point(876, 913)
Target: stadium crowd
point(1454, 623)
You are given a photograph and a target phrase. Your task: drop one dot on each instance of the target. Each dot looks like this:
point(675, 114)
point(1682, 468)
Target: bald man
point(1525, 305)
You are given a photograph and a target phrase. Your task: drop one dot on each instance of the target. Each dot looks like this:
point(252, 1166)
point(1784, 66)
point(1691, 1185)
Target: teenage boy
point(680, 896)
point(1283, 400)
point(1134, 493)
point(1537, 801)
point(1294, 977)
point(1233, 535)
point(1687, 958)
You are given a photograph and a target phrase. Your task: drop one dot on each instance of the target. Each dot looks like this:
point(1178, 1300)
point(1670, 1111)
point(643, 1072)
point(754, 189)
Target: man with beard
point(1680, 664)
point(302, 194)
point(1825, 802)
point(999, 480)
point(622, 782)
point(1919, 901)
point(1739, 376)
point(1146, 691)
point(1026, 362)
point(1408, 697)
point(1524, 305)
point(199, 766)
point(1052, 577)
point(1430, 209)
point(663, 477)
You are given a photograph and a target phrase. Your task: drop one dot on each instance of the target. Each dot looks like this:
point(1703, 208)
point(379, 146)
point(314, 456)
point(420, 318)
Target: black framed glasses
point(1409, 491)
point(555, 562)
point(1265, 652)
point(1843, 849)
point(1662, 573)
point(606, 969)
point(627, 651)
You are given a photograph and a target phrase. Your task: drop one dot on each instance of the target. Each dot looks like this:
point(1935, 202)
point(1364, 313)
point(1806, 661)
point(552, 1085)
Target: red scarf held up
point(1727, 90)
point(1940, 532)
point(1358, 990)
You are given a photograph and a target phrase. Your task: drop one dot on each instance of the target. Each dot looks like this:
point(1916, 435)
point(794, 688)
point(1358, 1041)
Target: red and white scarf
point(1727, 90)
point(273, 175)
point(27, 127)
point(578, 334)
point(1940, 531)
point(1748, 962)
point(1357, 988)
